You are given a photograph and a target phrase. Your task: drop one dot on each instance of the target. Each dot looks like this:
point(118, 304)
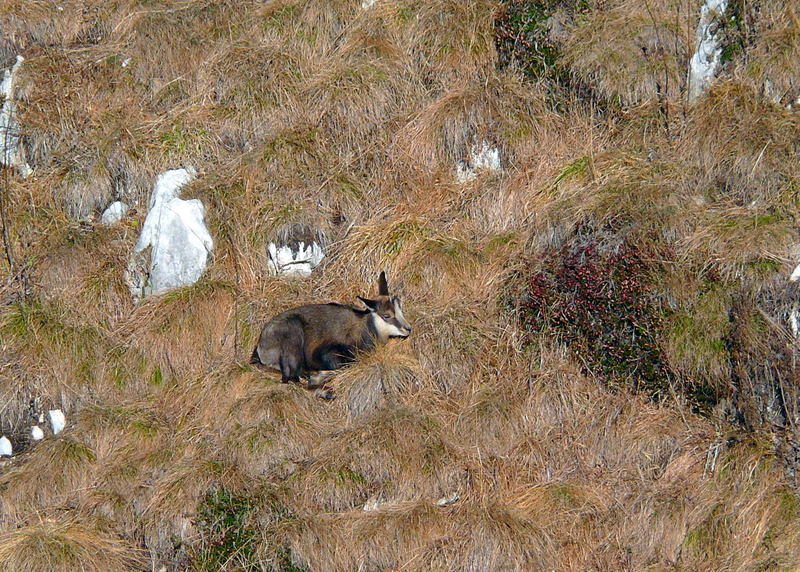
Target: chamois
point(324, 337)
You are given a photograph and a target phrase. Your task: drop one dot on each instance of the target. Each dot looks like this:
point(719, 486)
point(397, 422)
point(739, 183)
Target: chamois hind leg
point(290, 368)
point(290, 340)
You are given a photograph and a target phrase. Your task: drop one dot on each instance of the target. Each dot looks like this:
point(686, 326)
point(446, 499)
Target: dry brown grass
point(775, 42)
point(65, 544)
point(633, 51)
point(742, 142)
point(353, 120)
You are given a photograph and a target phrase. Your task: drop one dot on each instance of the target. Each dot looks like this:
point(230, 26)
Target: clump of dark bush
point(527, 36)
point(600, 303)
point(736, 34)
point(522, 36)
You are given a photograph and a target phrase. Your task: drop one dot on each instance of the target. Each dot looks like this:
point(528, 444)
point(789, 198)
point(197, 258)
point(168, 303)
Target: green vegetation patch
point(233, 535)
point(181, 139)
point(522, 37)
point(696, 339)
point(734, 31)
point(525, 37)
point(44, 328)
point(708, 539)
point(229, 532)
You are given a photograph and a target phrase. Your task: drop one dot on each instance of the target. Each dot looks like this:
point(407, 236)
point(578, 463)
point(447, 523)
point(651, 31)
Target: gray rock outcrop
point(175, 244)
point(705, 62)
point(11, 152)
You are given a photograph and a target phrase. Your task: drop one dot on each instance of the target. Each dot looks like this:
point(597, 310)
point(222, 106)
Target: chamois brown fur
point(321, 337)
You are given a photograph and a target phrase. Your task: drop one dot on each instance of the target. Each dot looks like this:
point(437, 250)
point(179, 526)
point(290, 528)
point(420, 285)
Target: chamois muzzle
point(404, 333)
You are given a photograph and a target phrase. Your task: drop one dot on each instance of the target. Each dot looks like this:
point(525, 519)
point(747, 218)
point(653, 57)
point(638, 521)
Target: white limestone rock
point(483, 157)
point(57, 420)
point(11, 152)
point(296, 250)
point(5, 447)
point(374, 503)
point(36, 433)
point(175, 244)
point(794, 321)
point(705, 61)
point(447, 501)
point(771, 94)
point(7, 85)
point(114, 213)
point(794, 314)
point(367, 4)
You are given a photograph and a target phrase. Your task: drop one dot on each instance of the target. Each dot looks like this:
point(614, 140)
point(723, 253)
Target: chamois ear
point(371, 304)
point(383, 287)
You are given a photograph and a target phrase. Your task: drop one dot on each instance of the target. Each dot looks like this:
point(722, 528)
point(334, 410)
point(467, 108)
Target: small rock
point(57, 420)
point(326, 394)
point(5, 447)
point(770, 93)
point(447, 501)
point(374, 503)
point(36, 433)
point(482, 158)
point(114, 213)
point(296, 250)
point(794, 321)
point(7, 85)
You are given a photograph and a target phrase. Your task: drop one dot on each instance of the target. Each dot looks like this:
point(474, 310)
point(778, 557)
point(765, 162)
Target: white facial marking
point(384, 329)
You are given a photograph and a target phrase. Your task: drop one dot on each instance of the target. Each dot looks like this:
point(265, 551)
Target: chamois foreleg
point(329, 358)
point(334, 356)
point(319, 379)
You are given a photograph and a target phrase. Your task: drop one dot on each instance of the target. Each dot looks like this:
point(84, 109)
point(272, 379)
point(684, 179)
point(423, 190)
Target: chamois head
point(387, 313)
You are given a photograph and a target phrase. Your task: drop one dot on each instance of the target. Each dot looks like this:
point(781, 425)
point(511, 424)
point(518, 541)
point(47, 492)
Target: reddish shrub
point(602, 305)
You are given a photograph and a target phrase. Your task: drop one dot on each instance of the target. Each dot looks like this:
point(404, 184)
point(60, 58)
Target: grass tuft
point(65, 544)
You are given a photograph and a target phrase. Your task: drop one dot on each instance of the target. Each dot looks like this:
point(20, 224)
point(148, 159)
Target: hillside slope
point(594, 255)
